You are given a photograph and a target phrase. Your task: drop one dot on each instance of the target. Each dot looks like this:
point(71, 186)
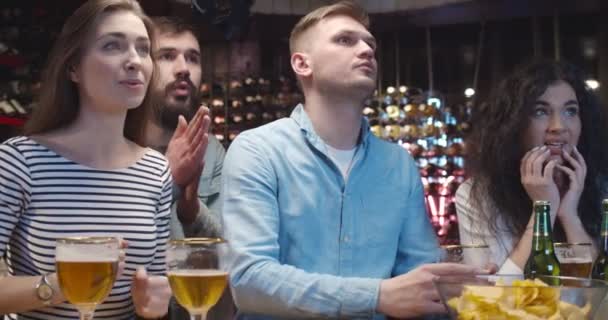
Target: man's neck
point(157, 137)
point(336, 121)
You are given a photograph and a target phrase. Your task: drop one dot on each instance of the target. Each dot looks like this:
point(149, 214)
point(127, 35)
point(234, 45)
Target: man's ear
point(301, 64)
point(72, 74)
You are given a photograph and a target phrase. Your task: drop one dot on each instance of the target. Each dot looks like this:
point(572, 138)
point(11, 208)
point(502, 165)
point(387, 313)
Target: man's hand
point(187, 147)
point(188, 205)
point(151, 294)
point(413, 294)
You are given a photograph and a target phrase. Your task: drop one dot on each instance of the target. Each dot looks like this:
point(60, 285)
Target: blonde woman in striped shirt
point(81, 169)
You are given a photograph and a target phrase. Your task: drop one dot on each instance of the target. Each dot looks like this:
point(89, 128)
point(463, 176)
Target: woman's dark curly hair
point(495, 148)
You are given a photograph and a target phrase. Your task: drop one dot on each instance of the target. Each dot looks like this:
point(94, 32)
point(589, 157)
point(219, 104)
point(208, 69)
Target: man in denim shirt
point(324, 219)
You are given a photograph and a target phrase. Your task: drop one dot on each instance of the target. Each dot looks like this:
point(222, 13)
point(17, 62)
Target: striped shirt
point(44, 196)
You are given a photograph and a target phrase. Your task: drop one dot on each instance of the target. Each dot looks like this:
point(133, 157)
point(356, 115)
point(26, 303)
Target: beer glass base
point(86, 312)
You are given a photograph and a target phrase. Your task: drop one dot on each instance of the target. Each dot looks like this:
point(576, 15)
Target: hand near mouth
point(576, 172)
point(537, 177)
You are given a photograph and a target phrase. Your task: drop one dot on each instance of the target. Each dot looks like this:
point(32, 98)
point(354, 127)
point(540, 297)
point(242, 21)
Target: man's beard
point(168, 112)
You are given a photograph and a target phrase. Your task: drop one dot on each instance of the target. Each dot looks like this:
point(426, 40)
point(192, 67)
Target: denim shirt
point(303, 243)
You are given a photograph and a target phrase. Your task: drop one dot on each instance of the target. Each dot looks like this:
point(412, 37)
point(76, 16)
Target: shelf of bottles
point(241, 104)
point(433, 134)
point(27, 30)
point(12, 113)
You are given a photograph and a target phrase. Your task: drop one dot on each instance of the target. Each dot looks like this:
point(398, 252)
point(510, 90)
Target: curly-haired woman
point(542, 136)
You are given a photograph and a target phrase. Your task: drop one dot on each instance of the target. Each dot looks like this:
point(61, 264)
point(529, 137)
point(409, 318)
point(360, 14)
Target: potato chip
point(523, 299)
point(540, 310)
point(573, 312)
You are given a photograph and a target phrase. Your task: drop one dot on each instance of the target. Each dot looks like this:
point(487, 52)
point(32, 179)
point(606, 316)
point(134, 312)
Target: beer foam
point(197, 272)
point(85, 259)
point(575, 260)
point(85, 253)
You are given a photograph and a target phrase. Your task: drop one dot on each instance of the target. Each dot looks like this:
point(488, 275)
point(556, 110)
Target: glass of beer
point(575, 259)
point(86, 269)
point(470, 254)
point(195, 274)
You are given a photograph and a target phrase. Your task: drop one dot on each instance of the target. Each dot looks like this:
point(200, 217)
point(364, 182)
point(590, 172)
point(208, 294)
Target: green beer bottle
point(600, 266)
point(542, 260)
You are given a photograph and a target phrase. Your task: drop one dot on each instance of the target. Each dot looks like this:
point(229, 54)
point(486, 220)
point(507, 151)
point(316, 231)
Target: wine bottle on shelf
point(219, 119)
point(250, 116)
point(383, 116)
point(249, 100)
point(394, 113)
point(232, 135)
point(17, 106)
point(219, 137)
point(429, 129)
point(409, 132)
point(236, 104)
point(369, 112)
point(236, 89)
point(250, 86)
point(411, 111)
point(393, 132)
point(6, 109)
point(267, 116)
point(205, 90)
point(217, 103)
point(415, 150)
point(237, 117)
point(464, 128)
point(376, 129)
point(402, 97)
point(454, 149)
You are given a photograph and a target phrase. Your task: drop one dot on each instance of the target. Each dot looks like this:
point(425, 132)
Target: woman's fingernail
point(482, 270)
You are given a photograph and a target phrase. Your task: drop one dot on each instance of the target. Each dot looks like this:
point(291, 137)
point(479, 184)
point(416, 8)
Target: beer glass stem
point(202, 316)
point(86, 316)
point(86, 313)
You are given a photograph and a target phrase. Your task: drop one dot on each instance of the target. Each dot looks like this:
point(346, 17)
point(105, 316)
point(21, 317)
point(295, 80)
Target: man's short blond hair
point(347, 8)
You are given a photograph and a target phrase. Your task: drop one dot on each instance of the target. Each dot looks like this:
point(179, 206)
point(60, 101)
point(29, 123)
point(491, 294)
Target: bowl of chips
point(511, 297)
